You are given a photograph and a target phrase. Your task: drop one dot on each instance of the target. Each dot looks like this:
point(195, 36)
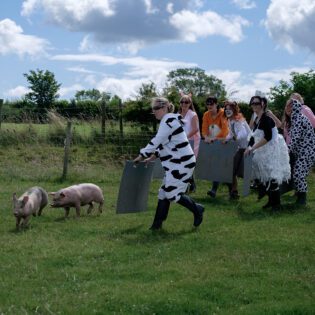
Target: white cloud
point(242, 86)
point(138, 64)
point(134, 23)
point(194, 25)
point(170, 8)
point(245, 4)
point(138, 70)
point(150, 9)
point(70, 89)
point(17, 92)
point(13, 41)
point(125, 88)
point(75, 10)
point(291, 23)
point(79, 69)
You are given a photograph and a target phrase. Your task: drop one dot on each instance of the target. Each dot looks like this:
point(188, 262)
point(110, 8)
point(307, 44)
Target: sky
point(117, 45)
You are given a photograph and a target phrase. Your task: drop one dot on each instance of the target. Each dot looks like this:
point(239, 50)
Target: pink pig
point(30, 203)
point(77, 196)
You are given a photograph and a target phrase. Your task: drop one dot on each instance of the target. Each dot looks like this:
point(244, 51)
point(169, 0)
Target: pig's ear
point(25, 200)
point(14, 197)
point(52, 194)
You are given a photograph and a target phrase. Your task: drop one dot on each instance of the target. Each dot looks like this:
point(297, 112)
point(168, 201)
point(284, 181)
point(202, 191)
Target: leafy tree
point(113, 107)
point(91, 95)
point(140, 110)
point(44, 89)
point(147, 91)
point(302, 83)
point(196, 81)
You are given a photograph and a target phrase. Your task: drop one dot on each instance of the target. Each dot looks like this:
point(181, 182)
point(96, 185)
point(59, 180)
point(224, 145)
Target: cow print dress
point(177, 157)
point(302, 146)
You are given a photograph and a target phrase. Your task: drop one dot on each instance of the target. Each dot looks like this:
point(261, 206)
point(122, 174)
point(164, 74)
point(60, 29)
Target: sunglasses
point(255, 103)
point(184, 102)
point(157, 107)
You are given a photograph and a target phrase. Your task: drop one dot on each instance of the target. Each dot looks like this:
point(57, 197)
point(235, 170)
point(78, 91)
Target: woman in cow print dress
point(178, 160)
point(301, 147)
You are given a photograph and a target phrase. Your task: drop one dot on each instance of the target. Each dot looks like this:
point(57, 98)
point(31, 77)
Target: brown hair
point(235, 108)
point(261, 99)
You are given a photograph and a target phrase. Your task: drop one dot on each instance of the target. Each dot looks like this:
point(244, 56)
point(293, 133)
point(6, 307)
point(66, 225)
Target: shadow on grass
point(136, 235)
point(20, 229)
point(260, 214)
point(83, 216)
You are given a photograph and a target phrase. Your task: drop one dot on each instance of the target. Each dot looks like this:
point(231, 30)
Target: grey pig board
point(158, 171)
point(134, 187)
point(215, 161)
point(248, 161)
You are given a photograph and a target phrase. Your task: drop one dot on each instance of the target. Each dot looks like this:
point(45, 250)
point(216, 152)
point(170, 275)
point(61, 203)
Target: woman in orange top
point(214, 127)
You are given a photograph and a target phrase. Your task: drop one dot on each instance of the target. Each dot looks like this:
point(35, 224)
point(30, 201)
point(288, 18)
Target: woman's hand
point(209, 140)
point(151, 158)
point(248, 151)
point(138, 159)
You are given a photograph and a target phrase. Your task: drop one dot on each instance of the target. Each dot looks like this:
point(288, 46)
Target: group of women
point(274, 157)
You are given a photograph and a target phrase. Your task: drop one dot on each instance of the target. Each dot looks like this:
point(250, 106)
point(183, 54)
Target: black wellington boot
point(262, 192)
point(196, 208)
point(160, 214)
point(269, 203)
point(301, 198)
point(192, 187)
point(213, 191)
point(275, 200)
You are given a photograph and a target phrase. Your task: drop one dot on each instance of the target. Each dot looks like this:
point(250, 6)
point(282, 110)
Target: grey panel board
point(158, 170)
point(134, 187)
point(215, 161)
point(248, 161)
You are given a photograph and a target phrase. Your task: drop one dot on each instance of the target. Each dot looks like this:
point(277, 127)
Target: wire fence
point(106, 130)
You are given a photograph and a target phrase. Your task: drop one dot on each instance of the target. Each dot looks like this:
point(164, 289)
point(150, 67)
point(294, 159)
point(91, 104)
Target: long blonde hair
point(298, 97)
point(185, 97)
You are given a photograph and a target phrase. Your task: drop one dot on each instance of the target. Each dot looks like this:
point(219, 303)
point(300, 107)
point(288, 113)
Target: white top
point(188, 122)
point(188, 127)
point(239, 131)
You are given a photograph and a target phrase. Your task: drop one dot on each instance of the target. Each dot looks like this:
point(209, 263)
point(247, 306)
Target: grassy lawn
point(241, 260)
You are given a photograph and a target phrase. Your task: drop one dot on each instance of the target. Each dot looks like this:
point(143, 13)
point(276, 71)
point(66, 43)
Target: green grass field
point(241, 260)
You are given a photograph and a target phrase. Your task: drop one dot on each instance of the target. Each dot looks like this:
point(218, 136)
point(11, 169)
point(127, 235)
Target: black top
point(266, 124)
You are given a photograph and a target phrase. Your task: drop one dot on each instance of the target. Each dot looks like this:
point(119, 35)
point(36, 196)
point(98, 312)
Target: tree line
point(88, 104)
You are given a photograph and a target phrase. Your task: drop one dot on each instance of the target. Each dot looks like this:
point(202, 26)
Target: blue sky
point(116, 45)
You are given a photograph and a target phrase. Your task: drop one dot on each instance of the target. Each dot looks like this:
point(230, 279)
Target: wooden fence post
point(121, 127)
point(103, 116)
point(67, 150)
point(1, 103)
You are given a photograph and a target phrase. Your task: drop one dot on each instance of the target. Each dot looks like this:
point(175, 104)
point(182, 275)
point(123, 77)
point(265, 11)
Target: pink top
point(307, 112)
